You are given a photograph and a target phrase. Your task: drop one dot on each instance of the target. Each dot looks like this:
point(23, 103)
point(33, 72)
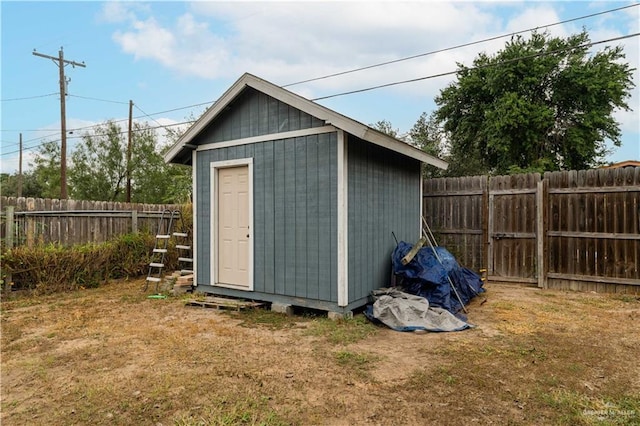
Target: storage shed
point(294, 203)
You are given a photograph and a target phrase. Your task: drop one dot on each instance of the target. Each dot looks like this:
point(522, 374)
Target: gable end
point(253, 113)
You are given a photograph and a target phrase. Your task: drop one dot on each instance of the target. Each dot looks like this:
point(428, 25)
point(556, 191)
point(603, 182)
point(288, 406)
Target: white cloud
point(533, 17)
point(119, 11)
point(189, 47)
point(115, 11)
point(148, 40)
point(285, 42)
point(292, 41)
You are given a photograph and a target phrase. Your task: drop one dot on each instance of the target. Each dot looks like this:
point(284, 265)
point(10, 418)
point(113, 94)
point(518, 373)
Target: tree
point(155, 181)
point(427, 135)
point(46, 171)
point(99, 167)
point(31, 187)
point(385, 126)
point(542, 103)
point(179, 177)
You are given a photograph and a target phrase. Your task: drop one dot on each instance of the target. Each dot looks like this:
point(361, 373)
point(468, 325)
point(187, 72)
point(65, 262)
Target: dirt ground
point(113, 356)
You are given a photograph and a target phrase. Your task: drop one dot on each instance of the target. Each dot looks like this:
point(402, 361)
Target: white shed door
point(233, 226)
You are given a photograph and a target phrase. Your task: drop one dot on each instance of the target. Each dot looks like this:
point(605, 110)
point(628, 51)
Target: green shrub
point(54, 268)
point(130, 255)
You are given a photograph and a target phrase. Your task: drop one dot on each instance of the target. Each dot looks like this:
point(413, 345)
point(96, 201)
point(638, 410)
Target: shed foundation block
point(282, 308)
point(340, 315)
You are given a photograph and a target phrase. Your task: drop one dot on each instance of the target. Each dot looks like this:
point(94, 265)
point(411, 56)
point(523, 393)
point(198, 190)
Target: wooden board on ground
point(223, 303)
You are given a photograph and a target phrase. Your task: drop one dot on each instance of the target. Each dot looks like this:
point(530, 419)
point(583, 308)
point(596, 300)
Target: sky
point(173, 59)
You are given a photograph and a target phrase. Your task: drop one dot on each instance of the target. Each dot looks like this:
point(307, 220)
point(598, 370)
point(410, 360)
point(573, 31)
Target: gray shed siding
point(254, 113)
point(295, 215)
point(384, 197)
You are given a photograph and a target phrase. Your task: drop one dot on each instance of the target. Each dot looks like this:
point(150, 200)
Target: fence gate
point(572, 230)
point(512, 243)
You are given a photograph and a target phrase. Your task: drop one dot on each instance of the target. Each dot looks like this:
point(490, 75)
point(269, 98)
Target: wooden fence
point(29, 221)
point(566, 230)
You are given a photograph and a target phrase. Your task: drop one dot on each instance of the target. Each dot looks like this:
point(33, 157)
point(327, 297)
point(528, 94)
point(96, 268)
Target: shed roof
point(180, 152)
point(622, 164)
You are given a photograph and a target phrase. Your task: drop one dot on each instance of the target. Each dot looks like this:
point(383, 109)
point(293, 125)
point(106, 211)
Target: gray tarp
point(406, 312)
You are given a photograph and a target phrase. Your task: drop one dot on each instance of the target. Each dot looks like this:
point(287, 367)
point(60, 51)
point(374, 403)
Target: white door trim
point(214, 166)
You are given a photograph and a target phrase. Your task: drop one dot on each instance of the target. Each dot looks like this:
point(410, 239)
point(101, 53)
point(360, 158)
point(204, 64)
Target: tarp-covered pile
point(406, 312)
point(434, 276)
point(431, 276)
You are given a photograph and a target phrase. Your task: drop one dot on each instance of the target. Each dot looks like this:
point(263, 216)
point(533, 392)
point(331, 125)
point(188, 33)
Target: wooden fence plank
point(456, 206)
point(585, 224)
point(69, 222)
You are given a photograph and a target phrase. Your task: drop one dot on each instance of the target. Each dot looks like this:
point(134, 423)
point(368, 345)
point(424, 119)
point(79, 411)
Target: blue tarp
point(429, 277)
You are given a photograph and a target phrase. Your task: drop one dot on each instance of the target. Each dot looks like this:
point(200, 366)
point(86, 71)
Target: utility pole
point(20, 169)
point(129, 145)
point(61, 62)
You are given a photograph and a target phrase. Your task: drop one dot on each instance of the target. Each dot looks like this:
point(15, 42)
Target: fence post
point(134, 221)
point(490, 216)
point(485, 225)
point(541, 230)
point(8, 241)
point(9, 228)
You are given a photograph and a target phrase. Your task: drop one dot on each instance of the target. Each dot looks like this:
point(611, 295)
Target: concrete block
point(180, 289)
point(282, 308)
point(339, 315)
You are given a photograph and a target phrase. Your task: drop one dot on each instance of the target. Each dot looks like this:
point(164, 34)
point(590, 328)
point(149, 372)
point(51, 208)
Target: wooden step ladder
point(185, 256)
point(160, 248)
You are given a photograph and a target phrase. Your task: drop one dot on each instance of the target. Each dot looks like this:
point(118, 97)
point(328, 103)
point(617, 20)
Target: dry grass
point(112, 356)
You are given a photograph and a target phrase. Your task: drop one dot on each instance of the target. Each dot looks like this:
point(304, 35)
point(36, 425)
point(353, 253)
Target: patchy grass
point(342, 331)
point(628, 298)
point(112, 356)
point(260, 317)
point(232, 411)
point(579, 408)
point(355, 361)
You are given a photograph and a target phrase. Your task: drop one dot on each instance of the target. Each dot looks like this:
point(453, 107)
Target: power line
point(98, 99)
point(349, 92)
point(39, 137)
point(457, 47)
point(361, 68)
point(147, 115)
point(380, 86)
point(92, 126)
point(27, 130)
point(113, 121)
point(103, 134)
point(75, 129)
point(29, 97)
point(337, 74)
point(189, 106)
point(353, 70)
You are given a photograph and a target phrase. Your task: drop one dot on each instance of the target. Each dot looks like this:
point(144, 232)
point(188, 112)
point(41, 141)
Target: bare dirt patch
point(112, 356)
